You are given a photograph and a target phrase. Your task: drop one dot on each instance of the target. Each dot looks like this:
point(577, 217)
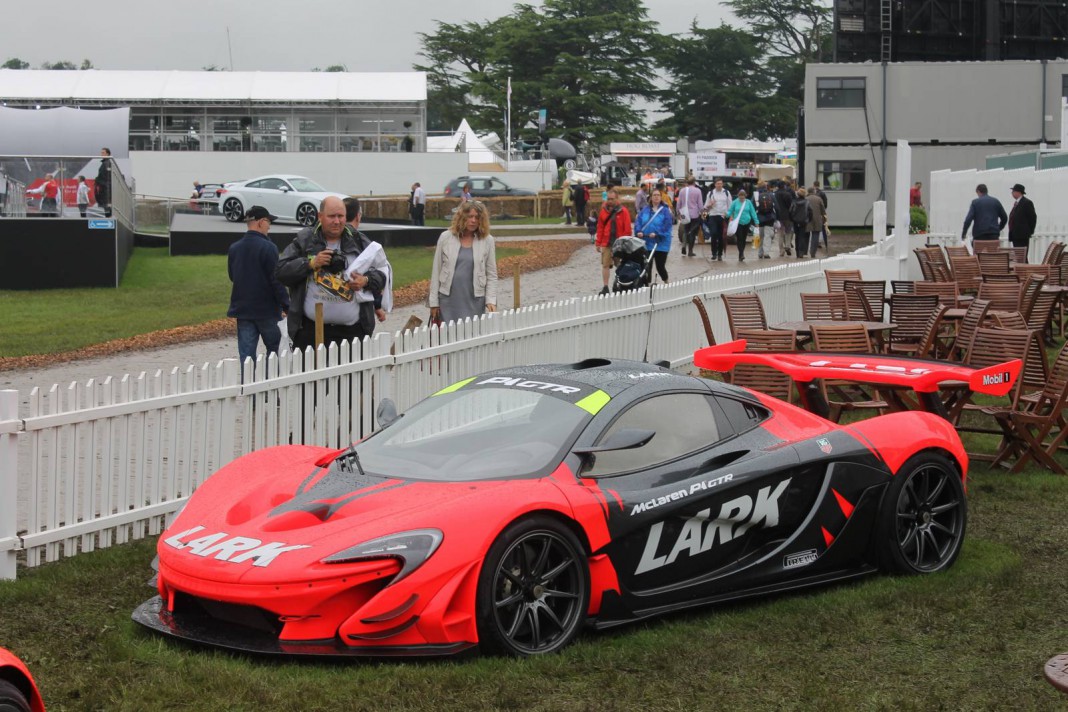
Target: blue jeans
point(249, 332)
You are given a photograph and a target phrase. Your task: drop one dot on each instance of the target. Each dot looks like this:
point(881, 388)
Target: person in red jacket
point(613, 222)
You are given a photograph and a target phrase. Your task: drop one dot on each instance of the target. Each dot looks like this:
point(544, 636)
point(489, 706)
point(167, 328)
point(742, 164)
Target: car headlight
point(412, 548)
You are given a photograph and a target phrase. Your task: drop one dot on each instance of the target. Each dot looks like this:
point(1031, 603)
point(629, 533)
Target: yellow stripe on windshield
point(455, 387)
point(593, 403)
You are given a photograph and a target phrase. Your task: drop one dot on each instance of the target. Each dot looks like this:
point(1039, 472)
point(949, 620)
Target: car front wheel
point(534, 589)
point(307, 214)
point(11, 699)
point(923, 516)
point(232, 210)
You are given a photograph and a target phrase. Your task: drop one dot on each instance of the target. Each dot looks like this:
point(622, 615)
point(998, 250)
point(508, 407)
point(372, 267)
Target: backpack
point(799, 210)
point(767, 202)
point(585, 194)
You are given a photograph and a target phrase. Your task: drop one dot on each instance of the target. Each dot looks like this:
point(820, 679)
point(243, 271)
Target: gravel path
point(580, 276)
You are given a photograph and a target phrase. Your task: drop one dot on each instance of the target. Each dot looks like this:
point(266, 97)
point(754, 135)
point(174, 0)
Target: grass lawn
point(157, 292)
point(973, 638)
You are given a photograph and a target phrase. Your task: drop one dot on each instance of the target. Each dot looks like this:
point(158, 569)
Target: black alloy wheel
point(534, 589)
point(12, 699)
point(307, 214)
point(924, 516)
point(232, 210)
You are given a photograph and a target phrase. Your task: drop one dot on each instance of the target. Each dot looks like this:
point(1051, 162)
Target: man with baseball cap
point(1022, 218)
point(257, 300)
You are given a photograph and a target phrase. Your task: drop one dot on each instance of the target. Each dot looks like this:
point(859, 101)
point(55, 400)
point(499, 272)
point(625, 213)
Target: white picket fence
point(96, 464)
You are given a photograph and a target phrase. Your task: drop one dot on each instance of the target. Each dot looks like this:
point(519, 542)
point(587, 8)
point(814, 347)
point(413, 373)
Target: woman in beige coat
point(463, 278)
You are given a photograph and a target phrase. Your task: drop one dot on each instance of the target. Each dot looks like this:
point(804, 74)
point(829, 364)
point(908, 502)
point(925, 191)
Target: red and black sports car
point(511, 508)
point(18, 691)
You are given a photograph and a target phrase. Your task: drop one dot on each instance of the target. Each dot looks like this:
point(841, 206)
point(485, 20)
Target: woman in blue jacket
point(744, 207)
point(653, 224)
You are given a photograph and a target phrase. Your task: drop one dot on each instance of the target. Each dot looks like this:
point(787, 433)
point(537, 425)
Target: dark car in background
point(483, 187)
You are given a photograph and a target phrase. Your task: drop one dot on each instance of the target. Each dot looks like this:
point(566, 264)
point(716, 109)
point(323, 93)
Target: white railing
point(96, 464)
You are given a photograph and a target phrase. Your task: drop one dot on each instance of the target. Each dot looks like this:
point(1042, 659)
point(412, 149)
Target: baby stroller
point(634, 264)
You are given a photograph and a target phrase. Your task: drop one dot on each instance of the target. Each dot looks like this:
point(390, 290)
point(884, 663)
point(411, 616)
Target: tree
point(799, 30)
point(585, 61)
point(331, 68)
point(719, 88)
point(63, 64)
point(15, 63)
point(86, 64)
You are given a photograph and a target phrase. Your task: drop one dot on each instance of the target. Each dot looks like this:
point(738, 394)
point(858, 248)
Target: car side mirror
point(625, 439)
point(386, 412)
point(284, 189)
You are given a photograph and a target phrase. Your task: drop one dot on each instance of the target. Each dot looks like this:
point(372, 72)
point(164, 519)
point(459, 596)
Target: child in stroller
point(633, 264)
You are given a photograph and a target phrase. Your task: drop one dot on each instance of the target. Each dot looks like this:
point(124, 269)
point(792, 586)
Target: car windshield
point(476, 434)
point(304, 185)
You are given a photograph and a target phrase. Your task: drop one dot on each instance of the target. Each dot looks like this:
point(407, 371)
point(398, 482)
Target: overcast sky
point(278, 35)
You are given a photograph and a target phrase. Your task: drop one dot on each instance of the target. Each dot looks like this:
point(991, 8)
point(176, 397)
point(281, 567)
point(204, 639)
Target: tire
point(923, 517)
point(533, 591)
point(12, 699)
point(570, 164)
point(232, 210)
point(307, 214)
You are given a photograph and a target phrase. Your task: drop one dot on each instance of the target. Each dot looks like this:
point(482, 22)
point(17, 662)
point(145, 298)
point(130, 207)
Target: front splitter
point(206, 631)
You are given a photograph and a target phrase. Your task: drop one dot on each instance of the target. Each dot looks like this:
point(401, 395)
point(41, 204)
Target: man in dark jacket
point(102, 185)
point(257, 300)
point(784, 198)
point(1022, 218)
point(313, 267)
point(987, 214)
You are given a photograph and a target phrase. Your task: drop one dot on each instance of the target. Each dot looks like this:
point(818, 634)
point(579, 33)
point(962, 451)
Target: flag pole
point(508, 128)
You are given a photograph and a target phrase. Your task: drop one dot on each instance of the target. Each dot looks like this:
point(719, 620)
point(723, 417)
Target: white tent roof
point(468, 143)
point(97, 84)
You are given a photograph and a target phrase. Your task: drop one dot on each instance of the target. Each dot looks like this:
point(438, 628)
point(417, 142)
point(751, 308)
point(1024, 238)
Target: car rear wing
point(920, 375)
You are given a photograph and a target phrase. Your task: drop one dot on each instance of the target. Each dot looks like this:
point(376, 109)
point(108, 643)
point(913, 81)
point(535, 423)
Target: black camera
point(337, 263)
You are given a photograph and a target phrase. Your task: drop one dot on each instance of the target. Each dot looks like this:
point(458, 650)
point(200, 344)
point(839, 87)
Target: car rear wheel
point(11, 699)
point(232, 210)
point(534, 589)
point(307, 214)
point(923, 517)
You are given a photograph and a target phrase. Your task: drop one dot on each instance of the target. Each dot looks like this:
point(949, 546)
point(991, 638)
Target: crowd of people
point(776, 211)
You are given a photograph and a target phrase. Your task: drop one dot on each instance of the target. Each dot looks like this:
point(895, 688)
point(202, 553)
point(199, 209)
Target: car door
point(266, 192)
point(700, 498)
point(498, 187)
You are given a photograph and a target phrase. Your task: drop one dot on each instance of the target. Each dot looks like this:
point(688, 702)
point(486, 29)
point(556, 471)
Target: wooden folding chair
point(990, 347)
point(1025, 428)
point(705, 321)
point(1054, 250)
point(966, 272)
point(836, 278)
point(1029, 291)
point(874, 290)
point(1002, 296)
point(842, 395)
point(986, 246)
point(744, 311)
point(1040, 315)
point(824, 306)
point(1023, 271)
point(910, 313)
point(957, 251)
point(928, 345)
point(1018, 255)
point(902, 286)
point(764, 378)
point(946, 292)
point(974, 317)
point(993, 262)
point(925, 264)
